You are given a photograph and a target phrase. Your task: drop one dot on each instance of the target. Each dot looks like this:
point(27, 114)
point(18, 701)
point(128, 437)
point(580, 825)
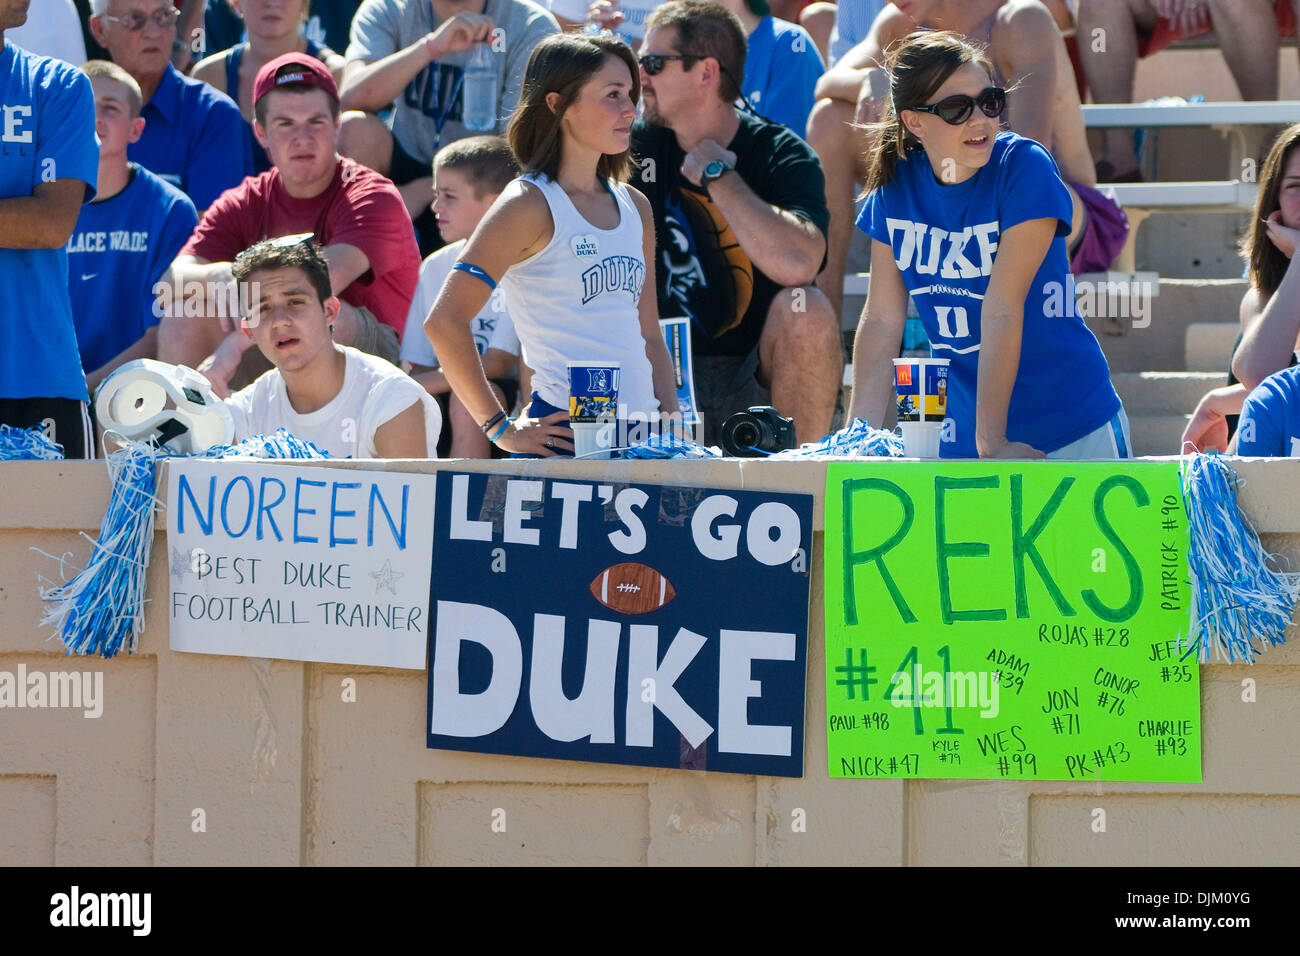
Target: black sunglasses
point(653, 63)
point(956, 109)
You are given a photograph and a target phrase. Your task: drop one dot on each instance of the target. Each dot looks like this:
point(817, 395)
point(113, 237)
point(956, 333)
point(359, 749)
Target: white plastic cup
point(592, 440)
point(920, 439)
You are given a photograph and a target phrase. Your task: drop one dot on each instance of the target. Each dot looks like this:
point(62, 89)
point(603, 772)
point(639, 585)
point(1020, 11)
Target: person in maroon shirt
point(356, 214)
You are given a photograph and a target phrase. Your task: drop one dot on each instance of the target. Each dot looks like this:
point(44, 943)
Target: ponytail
point(890, 142)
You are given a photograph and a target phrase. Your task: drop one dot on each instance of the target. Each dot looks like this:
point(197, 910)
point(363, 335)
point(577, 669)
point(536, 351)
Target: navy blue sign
point(631, 624)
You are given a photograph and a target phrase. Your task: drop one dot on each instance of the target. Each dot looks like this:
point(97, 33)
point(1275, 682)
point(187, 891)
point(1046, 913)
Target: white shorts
point(1110, 441)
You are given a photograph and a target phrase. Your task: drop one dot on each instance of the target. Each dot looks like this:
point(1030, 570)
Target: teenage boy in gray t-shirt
point(411, 54)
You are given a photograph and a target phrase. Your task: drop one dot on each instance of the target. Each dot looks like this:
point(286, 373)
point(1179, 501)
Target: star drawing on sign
point(386, 577)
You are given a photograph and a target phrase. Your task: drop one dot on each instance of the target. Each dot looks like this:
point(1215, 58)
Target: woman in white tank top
point(573, 245)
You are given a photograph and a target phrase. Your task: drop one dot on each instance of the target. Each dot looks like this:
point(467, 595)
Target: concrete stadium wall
point(287, 773)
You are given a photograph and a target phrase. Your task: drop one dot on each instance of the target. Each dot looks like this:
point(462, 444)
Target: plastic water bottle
point(479, 106)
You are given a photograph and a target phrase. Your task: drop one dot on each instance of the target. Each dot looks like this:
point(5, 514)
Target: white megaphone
point(169, 406)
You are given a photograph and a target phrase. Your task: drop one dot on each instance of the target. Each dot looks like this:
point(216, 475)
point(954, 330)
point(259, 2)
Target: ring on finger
point(550, 442)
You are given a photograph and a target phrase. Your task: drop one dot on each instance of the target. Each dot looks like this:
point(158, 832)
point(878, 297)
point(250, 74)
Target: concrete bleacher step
point(1157, 434)
point(1158, 342)
point(1164, 393)
point(1208, 345)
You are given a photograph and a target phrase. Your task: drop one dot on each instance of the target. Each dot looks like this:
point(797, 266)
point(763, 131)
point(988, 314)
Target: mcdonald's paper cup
point(593, 391)
point(921, 385)
point(920, 439)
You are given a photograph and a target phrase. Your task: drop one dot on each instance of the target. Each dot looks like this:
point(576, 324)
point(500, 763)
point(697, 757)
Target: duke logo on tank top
point(613, 274)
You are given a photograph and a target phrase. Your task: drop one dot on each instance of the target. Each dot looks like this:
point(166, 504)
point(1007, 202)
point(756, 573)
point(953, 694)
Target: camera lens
point(746, 434)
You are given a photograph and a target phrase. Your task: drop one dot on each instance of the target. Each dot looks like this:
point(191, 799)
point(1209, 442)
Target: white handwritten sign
point(299, 563)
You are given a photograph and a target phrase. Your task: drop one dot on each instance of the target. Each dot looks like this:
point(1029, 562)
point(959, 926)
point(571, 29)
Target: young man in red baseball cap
point(354, 213)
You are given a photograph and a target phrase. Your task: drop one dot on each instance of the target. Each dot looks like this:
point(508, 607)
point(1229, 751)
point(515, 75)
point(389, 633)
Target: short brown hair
point(97, 69)
point(486, 161)
point(259, 108)
point(563, 63)
point(306, 255)
point(706, 30)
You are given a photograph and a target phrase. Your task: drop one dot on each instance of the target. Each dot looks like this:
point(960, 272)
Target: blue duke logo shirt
point(945, 242)
point(47, 132)
point(1270, 418)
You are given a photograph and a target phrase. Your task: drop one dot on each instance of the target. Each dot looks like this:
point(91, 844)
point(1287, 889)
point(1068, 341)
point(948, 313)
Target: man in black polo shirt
point(740, 226)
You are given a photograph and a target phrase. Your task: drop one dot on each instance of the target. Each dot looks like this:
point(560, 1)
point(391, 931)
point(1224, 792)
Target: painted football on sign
point(632, 588)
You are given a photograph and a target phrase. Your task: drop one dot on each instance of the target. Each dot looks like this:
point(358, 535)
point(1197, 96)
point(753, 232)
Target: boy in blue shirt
point(1270, 418)
point(124, 240)
point(48, 160)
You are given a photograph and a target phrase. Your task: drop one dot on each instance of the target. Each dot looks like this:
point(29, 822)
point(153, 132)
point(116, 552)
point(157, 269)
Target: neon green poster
point(1009, 620)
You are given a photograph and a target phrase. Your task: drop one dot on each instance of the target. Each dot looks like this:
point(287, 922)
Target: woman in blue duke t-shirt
point(972, 223)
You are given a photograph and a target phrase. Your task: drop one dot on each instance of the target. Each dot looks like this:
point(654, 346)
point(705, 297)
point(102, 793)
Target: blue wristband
point(501, 429)
point(476, 272)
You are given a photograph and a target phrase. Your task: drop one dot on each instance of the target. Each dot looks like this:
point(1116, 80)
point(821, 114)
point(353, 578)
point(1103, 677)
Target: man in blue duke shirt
point(48, 162)
point(193, 136)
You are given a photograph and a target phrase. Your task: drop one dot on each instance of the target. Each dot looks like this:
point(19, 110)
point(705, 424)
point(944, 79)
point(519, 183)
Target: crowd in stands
point(249, 187)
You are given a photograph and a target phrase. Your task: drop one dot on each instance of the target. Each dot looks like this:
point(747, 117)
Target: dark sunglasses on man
point(957, 109)
point(654, 63)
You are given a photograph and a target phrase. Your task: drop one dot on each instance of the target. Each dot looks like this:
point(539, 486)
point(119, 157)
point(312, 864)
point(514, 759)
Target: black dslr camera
point(757, 432)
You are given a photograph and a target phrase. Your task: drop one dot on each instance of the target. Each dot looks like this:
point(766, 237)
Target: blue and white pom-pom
point(101, 608)
point(1239, 598)
point(669, 445)
point(855, 440)
point(27, 444)
point(280, 445)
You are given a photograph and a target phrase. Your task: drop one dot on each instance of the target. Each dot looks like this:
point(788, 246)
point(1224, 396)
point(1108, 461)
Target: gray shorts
point(373, 338)
point(1108, 442)
point(724, 385)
